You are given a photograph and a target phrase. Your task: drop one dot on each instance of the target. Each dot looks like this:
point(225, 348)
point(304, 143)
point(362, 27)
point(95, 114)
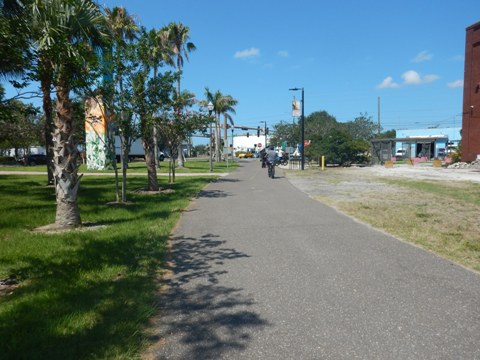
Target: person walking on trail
point(263, 157)
point(280, 154)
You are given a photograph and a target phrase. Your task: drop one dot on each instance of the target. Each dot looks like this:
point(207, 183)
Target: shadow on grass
point(201, 318)
point(73, 309)
point(83, 294)
point(94, 198)
point(20, 196)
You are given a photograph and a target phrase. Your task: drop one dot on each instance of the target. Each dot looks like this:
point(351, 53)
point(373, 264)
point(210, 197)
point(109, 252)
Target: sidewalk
point(262, 271)
point(112, 174)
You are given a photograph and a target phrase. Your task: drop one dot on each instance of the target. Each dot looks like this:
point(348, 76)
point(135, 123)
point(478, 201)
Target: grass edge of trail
point(83, 294)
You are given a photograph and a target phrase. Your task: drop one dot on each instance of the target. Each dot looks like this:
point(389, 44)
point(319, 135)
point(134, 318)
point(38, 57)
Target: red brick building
point(471, 95)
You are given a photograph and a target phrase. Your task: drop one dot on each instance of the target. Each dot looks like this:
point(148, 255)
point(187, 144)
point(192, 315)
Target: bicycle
point(271, 169)
point(283, 161)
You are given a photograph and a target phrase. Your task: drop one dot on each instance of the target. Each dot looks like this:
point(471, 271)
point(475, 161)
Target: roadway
point(259, 270)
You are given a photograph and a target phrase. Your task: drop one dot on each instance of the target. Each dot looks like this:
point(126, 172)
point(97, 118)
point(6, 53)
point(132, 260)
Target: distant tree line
point(341, 143)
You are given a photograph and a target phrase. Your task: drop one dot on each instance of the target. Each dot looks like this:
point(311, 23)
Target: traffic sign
point(259, 145)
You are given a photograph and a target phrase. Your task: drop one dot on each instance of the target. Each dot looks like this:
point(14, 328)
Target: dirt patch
point(143, 191)
point(55, 229)
point(8, 285)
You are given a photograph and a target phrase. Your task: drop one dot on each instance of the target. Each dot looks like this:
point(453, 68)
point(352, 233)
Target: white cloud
point(422, 56)
point(283, 53)
point(388, 83)
point(247, 53)
point(455, 84)
point(458, 58)
point(430, 78)
point(412, 77)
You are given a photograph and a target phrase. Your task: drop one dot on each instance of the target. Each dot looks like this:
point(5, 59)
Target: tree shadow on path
point(200, 317)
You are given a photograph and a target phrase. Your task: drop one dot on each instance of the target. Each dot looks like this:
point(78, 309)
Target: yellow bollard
point(323, 162)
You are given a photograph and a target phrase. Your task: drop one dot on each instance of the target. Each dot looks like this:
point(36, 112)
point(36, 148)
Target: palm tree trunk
point(217, 139)
point(225, 138)
point(65, 157)
point(46, 84)
point(48, 111)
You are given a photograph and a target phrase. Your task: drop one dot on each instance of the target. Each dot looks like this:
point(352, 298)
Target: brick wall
point(471, 95)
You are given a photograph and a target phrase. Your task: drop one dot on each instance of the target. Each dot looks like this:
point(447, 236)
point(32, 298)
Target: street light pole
point(265, 133)
point(302, 125)
point(232, 145)
point(210, 110)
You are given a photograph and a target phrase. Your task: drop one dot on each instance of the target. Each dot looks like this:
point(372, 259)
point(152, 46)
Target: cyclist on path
point(272, 155)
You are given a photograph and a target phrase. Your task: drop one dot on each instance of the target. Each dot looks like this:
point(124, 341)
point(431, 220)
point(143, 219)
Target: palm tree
point(223, 105)
point(227, 109)
point(178, 36)
point(160, 53)
point(16, 34)
point(123, 30)
point(161, 50)
point(14, 40)
point(144, 95)
point(72, 31)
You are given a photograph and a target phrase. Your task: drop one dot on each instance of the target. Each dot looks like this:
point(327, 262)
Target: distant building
point(251, 143)
point(424, 144)
point(471, 95)
point(436, 142)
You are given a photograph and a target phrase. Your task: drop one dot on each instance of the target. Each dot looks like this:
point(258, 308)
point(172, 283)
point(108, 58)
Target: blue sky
point(345, 54)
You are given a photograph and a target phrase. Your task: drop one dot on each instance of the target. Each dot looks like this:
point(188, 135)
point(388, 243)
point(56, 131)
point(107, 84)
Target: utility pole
point(265, 133)
point(303, 130)
point(379, 127)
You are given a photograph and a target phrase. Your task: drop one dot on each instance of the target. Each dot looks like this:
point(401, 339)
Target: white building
point(251, 143)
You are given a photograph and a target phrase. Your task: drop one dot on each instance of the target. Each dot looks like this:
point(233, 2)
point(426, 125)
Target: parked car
point(34, 159)
point(401, 153)
point(245, 155)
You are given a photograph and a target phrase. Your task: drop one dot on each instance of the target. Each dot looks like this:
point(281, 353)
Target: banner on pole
point(295, 108)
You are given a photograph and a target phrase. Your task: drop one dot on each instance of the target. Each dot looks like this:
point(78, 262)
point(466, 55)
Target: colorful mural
point(96, 134)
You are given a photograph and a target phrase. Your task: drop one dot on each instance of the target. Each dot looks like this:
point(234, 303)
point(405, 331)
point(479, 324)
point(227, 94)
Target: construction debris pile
point(463, 165)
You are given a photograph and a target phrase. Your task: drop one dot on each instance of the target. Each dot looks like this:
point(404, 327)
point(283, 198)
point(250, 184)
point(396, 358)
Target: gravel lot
point(425, 173)
point(355, 183)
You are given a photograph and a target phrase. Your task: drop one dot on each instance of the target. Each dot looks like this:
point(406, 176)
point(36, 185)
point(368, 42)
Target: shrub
point(7, 160)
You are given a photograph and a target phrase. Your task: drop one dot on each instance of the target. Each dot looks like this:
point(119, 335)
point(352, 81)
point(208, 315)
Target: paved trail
point(264, 272)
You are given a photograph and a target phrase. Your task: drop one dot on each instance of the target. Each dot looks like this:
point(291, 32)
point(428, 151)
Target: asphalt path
point(262, 271)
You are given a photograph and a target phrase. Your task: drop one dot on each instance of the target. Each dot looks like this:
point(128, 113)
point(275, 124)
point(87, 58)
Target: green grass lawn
point(191, 166)
point(84, 293)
